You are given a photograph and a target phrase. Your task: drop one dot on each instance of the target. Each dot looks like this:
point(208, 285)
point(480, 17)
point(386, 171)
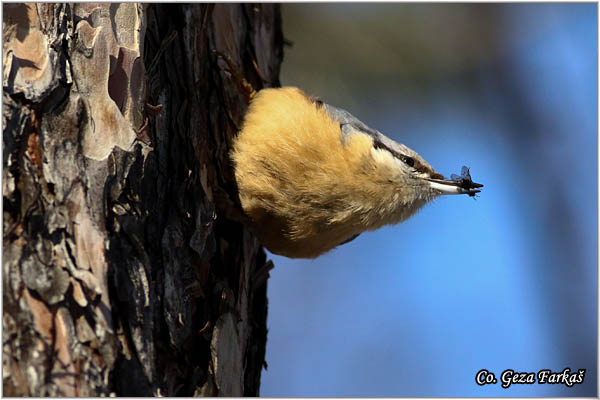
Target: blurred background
point(509, 90)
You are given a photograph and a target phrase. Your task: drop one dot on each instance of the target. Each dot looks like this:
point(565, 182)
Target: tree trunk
point(123, 271)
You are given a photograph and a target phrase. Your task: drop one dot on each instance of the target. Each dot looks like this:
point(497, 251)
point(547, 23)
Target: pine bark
point(124, 271)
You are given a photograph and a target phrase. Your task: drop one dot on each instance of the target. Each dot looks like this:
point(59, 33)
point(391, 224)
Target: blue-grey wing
point(350, 125)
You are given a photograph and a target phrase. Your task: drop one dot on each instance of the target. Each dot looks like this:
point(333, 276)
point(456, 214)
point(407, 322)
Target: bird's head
point(409, 180)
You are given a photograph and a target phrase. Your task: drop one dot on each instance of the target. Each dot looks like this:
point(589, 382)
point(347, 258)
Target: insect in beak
point(462, 184)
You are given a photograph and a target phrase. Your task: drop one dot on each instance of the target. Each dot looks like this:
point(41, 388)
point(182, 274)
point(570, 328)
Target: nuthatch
point(312, 176)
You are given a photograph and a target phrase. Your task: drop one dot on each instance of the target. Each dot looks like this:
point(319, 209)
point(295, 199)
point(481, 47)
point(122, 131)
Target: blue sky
point(504, 281)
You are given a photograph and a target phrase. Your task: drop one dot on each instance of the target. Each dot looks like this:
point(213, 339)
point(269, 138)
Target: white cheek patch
point(384, 157)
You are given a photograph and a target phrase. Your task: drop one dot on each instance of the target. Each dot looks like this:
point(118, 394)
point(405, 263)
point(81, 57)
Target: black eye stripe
point(408, 161)
point(405, 159)
point(379, 145)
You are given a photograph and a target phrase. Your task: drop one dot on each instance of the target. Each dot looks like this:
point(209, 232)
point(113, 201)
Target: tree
point(123, 270)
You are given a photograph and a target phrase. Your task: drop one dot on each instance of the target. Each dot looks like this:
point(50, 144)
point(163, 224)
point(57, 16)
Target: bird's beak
point(460, 186)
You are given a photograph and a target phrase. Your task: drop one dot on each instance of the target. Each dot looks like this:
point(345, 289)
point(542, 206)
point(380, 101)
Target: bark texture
point(123, 272)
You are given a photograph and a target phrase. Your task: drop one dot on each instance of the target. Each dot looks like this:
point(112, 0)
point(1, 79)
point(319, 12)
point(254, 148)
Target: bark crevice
point(122, 270)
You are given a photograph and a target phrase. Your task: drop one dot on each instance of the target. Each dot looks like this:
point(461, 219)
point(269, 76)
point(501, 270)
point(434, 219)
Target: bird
point(311, 176)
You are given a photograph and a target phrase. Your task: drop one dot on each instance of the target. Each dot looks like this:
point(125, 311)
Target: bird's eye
point(408, 161)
